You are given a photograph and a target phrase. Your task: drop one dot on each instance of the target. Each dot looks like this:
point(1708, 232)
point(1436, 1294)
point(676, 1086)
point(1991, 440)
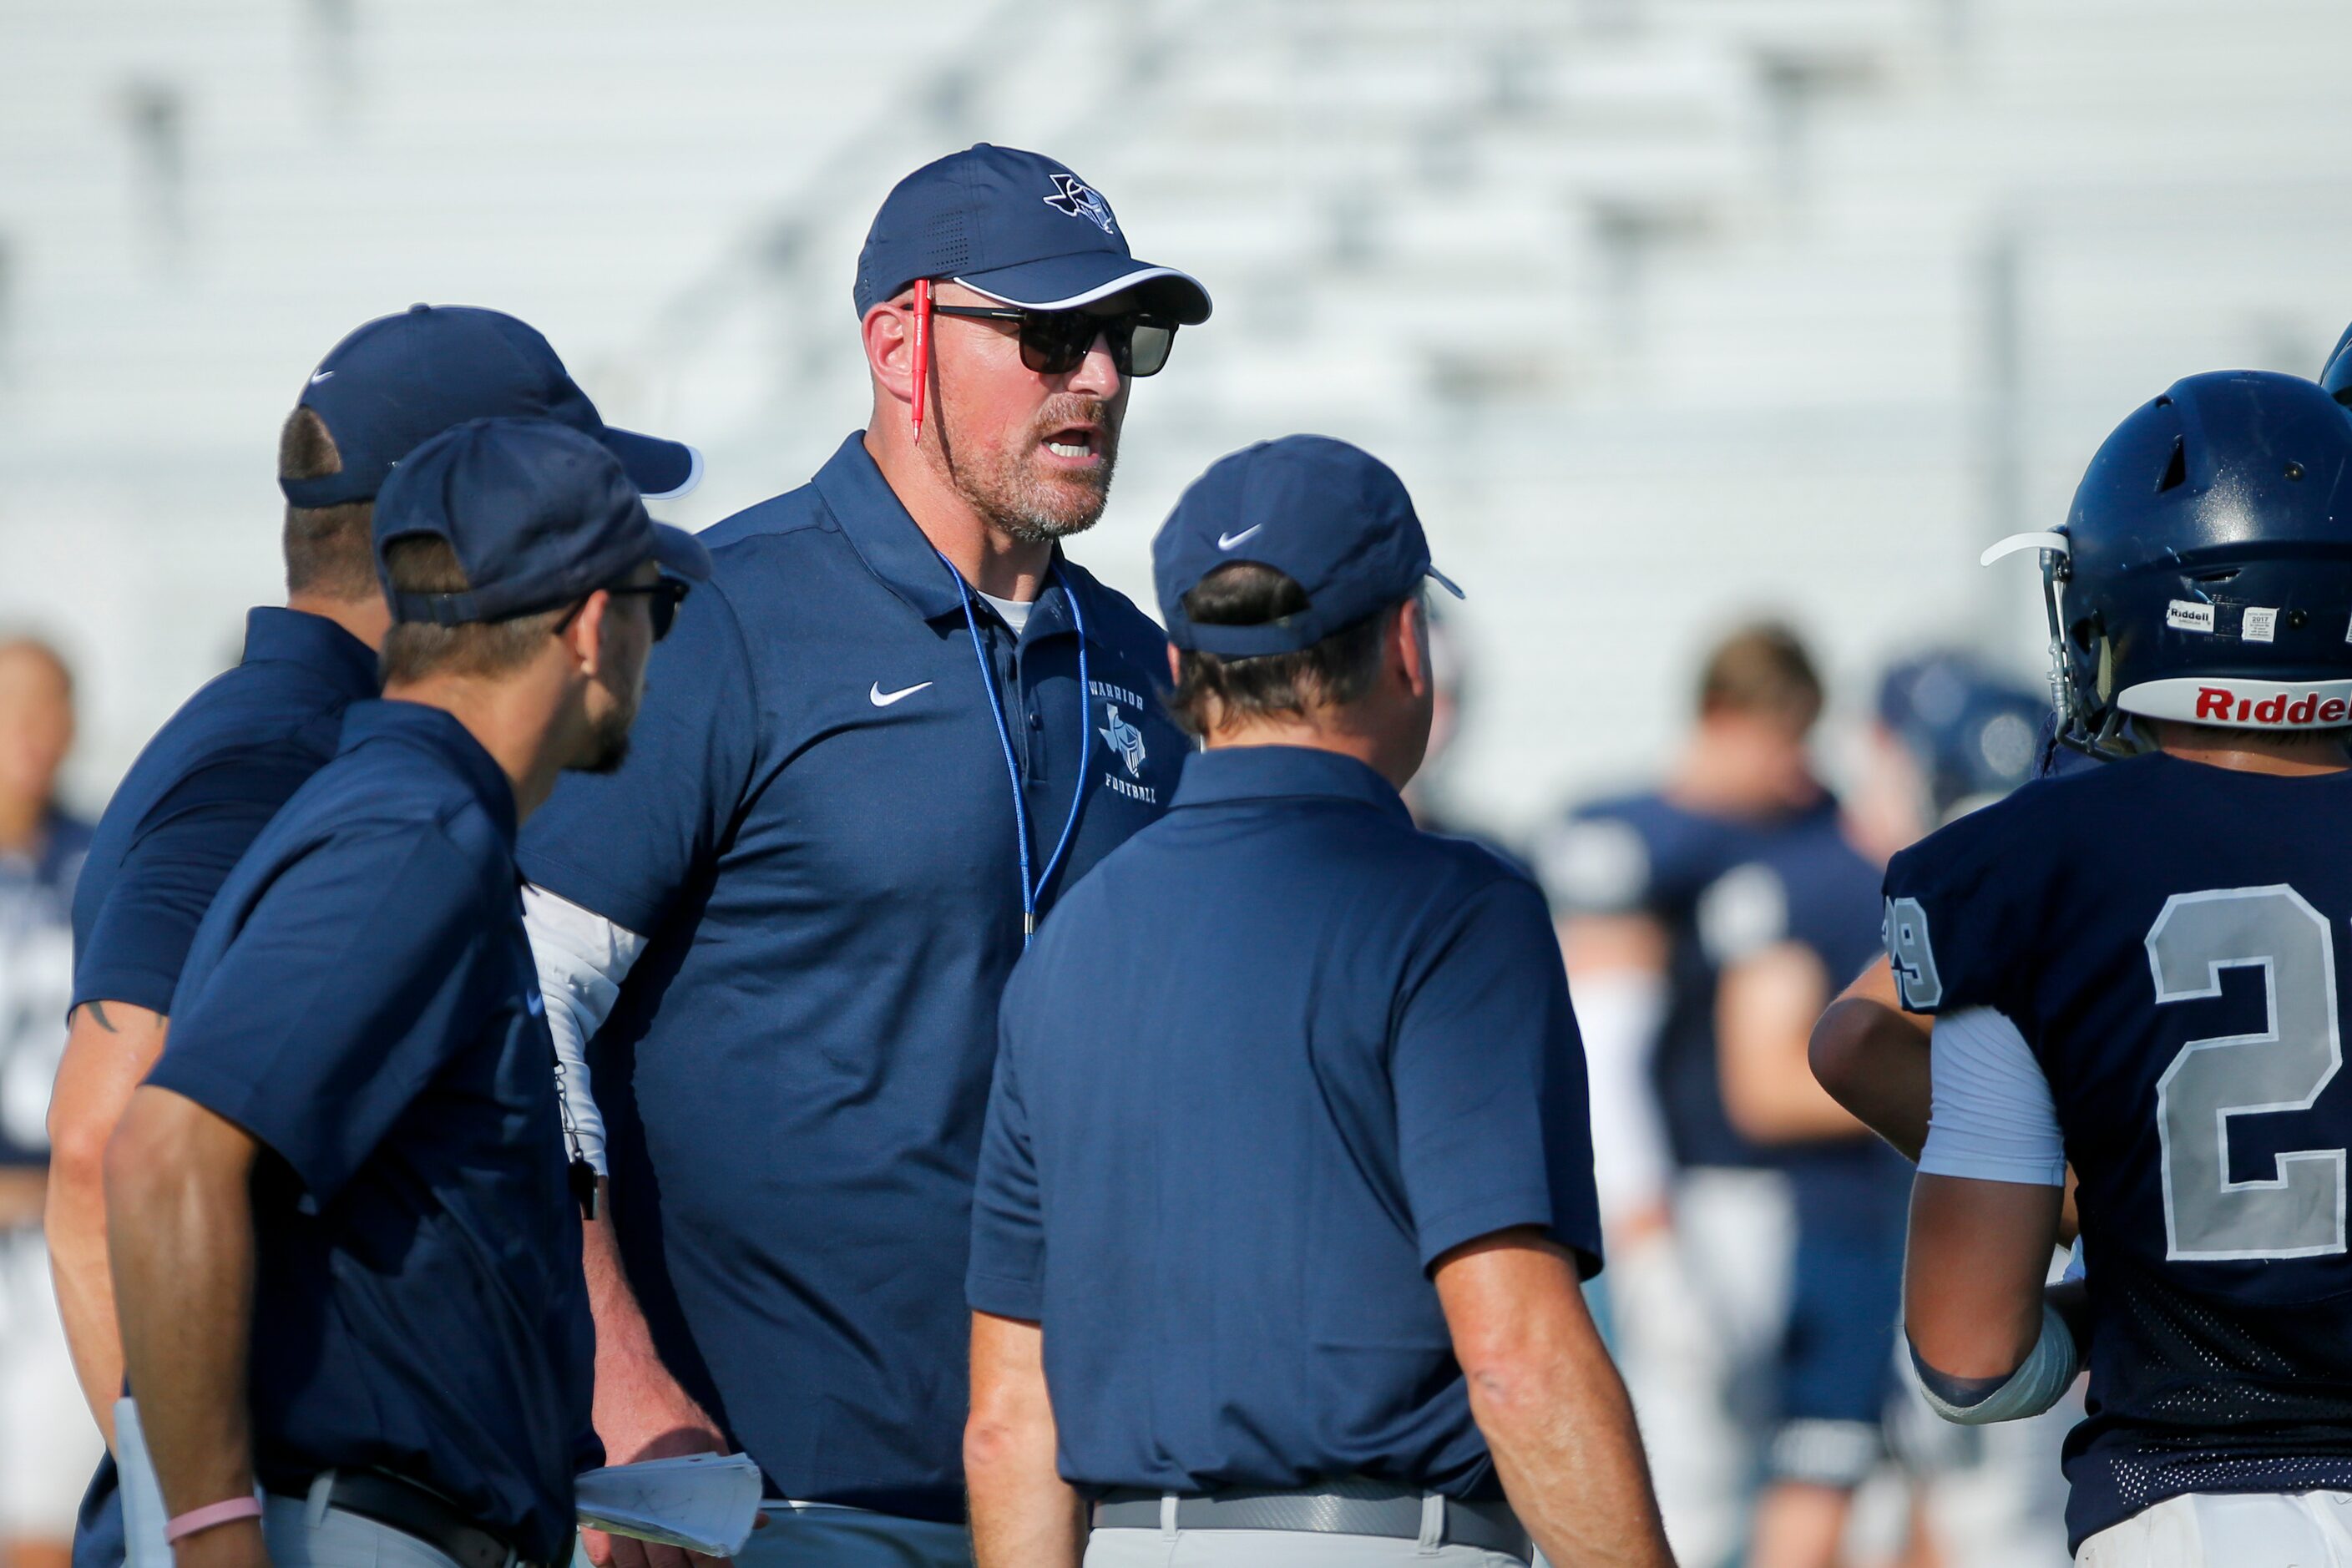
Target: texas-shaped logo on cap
point(1076, 197)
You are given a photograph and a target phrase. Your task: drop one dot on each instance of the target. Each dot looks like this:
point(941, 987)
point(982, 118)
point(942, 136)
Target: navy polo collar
point(886, 537)
point(1231, 773)
point(436, 733)
point(314, 642)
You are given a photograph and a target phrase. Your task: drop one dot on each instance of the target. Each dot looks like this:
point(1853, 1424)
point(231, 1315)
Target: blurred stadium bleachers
point(1667, 309)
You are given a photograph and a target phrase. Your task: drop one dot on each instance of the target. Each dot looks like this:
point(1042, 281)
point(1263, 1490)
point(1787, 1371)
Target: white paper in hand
point(702, 1502)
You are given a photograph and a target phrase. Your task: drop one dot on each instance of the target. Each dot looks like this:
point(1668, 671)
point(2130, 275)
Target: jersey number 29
point(2298, 1212)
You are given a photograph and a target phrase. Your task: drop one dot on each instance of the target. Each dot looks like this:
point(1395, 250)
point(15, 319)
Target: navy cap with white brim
point(1017, 226)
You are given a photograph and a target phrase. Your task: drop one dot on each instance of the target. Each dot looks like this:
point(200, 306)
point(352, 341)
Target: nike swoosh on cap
point(1232, 541)
point(322, 376)
point(881, 699)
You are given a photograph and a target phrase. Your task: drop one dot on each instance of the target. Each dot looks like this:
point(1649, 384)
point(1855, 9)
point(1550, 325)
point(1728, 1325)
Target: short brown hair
point(1213, 690)
point(328, 551)
point(1764, 671)
point(413, 649)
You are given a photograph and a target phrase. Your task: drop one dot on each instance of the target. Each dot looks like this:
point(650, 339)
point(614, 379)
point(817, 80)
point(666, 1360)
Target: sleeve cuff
point(232, 1100)
point(1978, 1166)
point(576, 885)
point(999, 1296)
point(1441, 1232)
point(136, 987)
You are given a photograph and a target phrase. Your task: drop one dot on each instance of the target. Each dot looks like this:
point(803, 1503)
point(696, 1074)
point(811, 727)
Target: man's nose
point(1098, 373)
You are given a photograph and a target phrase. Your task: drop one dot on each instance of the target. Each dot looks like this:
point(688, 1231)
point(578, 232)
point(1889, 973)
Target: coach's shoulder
point(797, 510)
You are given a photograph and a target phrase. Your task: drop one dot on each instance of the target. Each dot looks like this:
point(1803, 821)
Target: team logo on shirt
point(1076, 197)
point(1125, 740)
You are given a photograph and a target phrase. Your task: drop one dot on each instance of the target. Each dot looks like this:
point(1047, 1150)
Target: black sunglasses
point(662, 596)
point(1054, 343)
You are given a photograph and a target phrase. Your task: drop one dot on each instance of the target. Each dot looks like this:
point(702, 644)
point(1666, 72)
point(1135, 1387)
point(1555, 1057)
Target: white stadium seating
point(1667, 310)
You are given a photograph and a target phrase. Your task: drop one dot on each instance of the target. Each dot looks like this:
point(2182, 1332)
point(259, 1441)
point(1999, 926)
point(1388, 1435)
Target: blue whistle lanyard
point(1029, 890)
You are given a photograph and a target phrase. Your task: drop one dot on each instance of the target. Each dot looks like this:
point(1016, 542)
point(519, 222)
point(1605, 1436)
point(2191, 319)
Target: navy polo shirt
point(815, 831)
point(209, 781)
point(213, 776)
point(1270, 1061)
point(361, 1000)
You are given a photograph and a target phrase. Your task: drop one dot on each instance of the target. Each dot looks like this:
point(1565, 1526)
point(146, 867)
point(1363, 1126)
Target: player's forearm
point(180, 1234)
point(1873, 1060)
point(109, 1047)
point(1024, 1515)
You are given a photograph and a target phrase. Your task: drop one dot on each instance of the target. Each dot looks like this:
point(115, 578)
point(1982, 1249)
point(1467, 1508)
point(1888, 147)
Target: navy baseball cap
point(1017, 226)
point(1332, 517)
point(400, 380)
point(538, 514)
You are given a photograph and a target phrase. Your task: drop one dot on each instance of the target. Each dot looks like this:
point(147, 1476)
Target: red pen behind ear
point(922, 351)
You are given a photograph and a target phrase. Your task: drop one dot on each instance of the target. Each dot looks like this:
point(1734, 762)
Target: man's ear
point(1407, 649)
point(889, 338)
point(1175, 665)
point(583, 639)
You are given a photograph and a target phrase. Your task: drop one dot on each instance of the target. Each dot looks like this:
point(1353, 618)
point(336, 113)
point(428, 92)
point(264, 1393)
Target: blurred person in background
point(1699, 1222)
point(46, 1443)
point(1786, 930)
point(1948, 737)
point(219, 769)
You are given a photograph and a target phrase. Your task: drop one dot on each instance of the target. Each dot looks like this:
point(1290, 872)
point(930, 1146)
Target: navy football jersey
point(1644, 855)
point(2167, 938)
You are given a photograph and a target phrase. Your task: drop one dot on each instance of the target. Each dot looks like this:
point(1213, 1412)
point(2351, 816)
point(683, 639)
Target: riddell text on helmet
point(2218, 704)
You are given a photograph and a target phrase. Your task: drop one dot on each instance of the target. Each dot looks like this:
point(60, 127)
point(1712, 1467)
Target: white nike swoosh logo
point(1230, 540)
point(881, 699)
point(322, 376)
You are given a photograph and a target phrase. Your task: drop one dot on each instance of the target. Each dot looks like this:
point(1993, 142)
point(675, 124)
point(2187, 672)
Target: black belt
point(1351, 1506)
point(418, 1511)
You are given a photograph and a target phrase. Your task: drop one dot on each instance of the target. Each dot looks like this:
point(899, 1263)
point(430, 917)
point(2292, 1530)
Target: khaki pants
point(819, 1535)
point(301, 1536)
point(1275, 1549)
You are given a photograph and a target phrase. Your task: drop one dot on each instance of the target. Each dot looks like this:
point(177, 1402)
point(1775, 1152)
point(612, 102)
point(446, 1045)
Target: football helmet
point(2338, 375)
point(1974, 736)
point(2204, 573)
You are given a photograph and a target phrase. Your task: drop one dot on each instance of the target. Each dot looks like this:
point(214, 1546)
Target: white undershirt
point(1992, 1118)
point(1014, 611)
point(583, 958)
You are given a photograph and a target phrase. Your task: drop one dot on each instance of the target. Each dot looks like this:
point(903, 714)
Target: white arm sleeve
point(1991, 1118)
point(1617, 1013)
point(583, 958)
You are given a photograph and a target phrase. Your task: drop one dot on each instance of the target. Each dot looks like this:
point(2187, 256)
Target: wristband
point(212, 1513)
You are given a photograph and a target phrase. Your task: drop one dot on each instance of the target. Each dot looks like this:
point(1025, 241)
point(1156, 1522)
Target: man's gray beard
point(1012, 507)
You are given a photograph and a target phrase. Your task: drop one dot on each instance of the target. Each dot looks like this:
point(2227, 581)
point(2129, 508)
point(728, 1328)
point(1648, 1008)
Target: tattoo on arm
point(97, 1012)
